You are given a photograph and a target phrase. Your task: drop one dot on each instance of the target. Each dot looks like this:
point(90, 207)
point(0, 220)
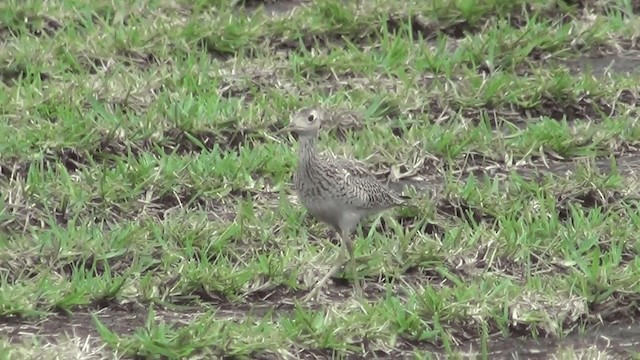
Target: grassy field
point(146, 208)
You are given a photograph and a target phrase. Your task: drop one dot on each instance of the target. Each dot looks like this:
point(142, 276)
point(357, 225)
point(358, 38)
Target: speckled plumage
point(336, 191)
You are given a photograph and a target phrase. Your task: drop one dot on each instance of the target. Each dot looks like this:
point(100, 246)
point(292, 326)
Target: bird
point(336, 191)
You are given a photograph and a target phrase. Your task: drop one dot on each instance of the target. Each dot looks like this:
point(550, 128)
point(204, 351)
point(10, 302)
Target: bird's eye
point(311, 117)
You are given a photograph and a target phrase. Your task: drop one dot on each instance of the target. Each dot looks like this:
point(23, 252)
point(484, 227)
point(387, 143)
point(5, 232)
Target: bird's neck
point(306, 149)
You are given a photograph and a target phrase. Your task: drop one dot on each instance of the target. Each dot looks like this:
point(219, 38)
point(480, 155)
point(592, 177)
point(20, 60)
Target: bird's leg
point(348, 243)
point(320, 284)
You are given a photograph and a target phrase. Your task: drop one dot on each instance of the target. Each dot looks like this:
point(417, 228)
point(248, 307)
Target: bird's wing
point(355, 168)
point(379, 193)
point(352, 167)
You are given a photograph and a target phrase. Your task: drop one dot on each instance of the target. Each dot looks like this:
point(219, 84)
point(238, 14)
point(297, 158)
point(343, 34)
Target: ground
point(146, 204)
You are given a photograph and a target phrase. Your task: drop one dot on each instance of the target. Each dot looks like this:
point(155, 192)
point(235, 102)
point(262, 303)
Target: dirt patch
point(614, 339)
point(259, 302)
point(93, 64)
point(14, 73)
point(34, 24)
point(124, 320)
point(583, 109)
point(396, 24)
point(590, 199)
point(120, 319)
point(421, 28)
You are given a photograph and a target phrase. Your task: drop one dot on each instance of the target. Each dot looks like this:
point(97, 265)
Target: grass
point(146, 205)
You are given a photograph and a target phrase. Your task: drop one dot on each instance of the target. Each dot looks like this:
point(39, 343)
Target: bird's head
point(305, 122)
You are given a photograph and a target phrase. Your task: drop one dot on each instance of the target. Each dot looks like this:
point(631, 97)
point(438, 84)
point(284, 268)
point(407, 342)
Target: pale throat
point(306, 149)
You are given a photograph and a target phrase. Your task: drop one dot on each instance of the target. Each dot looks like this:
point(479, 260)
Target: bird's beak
point(286, 129)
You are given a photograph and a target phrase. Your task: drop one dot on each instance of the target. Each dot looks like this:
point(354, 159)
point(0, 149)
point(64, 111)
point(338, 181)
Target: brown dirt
point(617, 338)
point(120, 319)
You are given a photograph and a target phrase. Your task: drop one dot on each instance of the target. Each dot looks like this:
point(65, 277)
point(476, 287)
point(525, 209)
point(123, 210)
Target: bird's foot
point(320, 284)
point(313, 294)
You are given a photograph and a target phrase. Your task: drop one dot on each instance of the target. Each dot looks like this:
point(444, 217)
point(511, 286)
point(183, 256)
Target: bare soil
point(618, 340)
